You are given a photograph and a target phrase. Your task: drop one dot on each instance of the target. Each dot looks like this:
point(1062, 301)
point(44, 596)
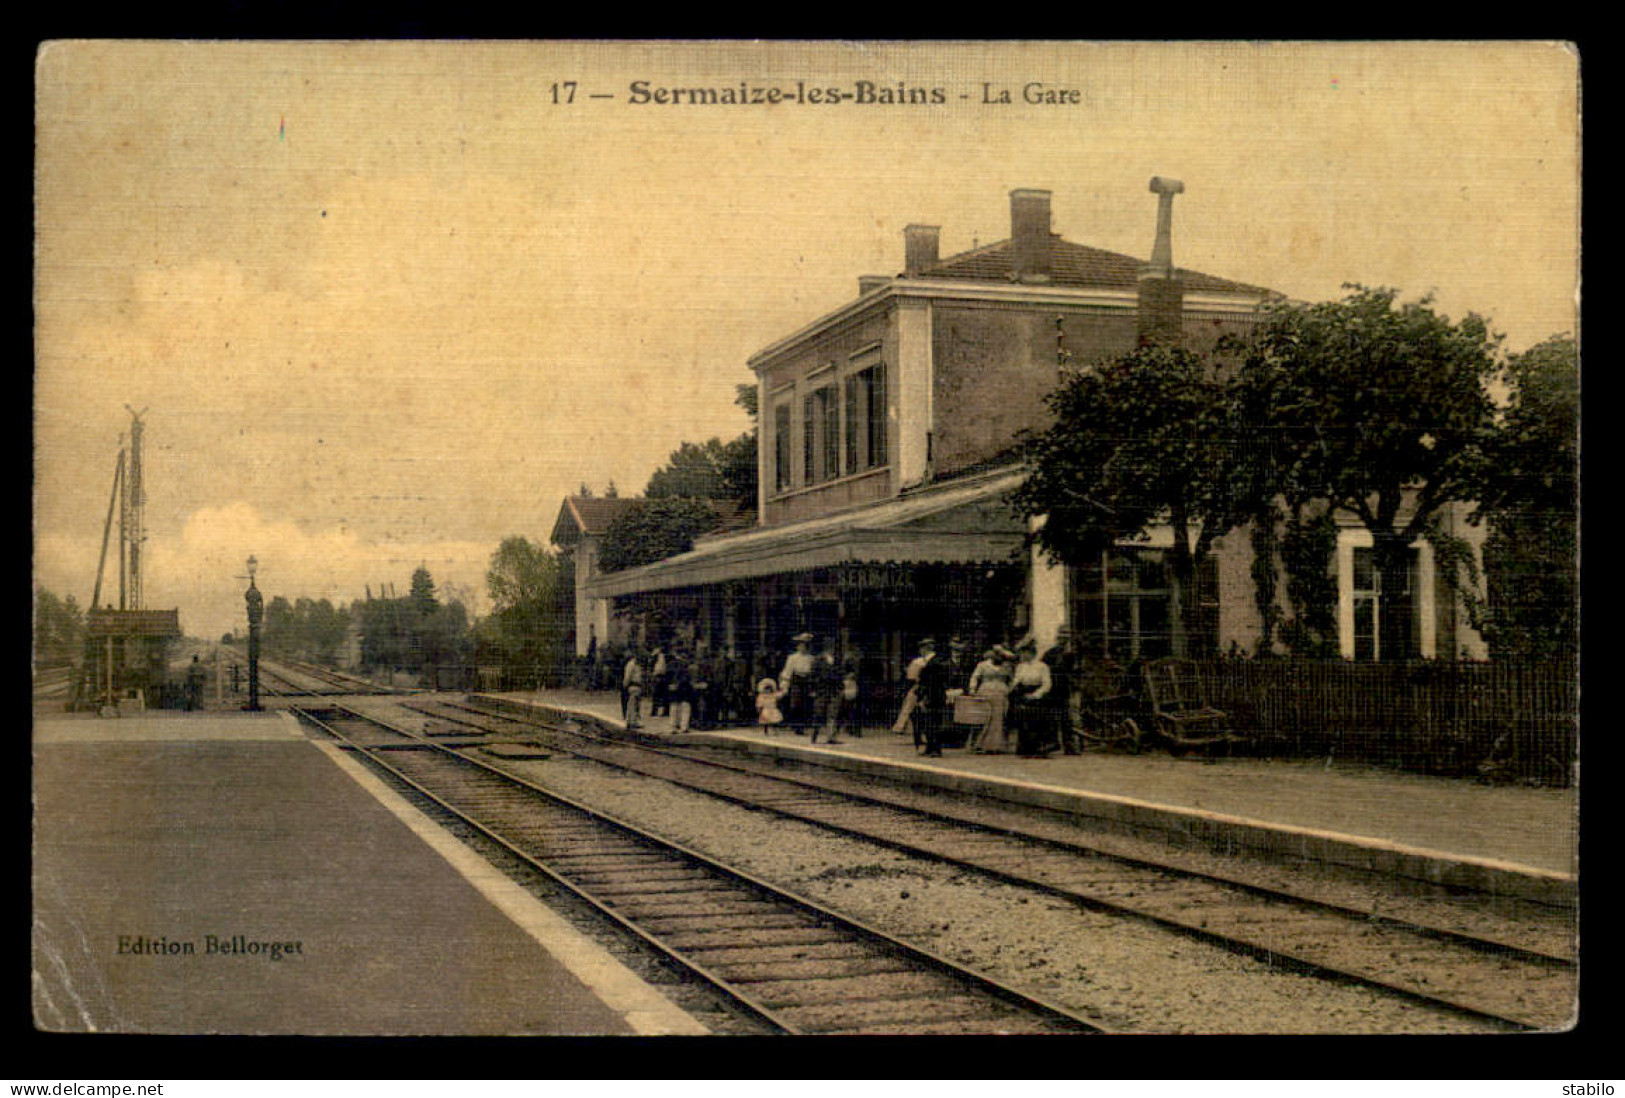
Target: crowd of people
point(696, 689)
point(1006, 701)
point(1011, 701)
point(812, 694)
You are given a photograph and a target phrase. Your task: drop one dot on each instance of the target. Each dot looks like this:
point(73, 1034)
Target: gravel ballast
point(1121, 972)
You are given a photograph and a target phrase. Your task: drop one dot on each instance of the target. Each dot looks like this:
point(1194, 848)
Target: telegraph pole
point(256, 614)
point(134, 520)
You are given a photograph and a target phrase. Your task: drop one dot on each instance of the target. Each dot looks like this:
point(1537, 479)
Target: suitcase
point(972, 710)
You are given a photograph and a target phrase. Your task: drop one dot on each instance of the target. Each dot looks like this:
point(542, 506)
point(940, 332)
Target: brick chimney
point(920, 247)
point(1161, 304)
point(1030, 235)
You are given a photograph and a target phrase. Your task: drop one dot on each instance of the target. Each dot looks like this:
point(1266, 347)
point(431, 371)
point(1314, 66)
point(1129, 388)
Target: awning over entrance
point(966, 522)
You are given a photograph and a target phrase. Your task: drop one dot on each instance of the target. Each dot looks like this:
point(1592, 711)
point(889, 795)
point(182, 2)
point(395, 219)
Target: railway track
point(1494, 979)
point(787, 962)
point(309, 680)
point(53, 683)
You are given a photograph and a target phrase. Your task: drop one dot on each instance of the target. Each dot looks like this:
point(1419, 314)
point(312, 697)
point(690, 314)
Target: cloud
point(406, 326)
point(403, 352)
point(202, 573)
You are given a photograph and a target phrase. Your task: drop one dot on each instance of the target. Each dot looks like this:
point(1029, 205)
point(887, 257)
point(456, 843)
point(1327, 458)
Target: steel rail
point(1493, 946)
point(995, 988)
point(1257, 950)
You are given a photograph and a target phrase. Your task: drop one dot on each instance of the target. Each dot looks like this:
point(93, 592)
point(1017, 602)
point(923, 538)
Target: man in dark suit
point(962, 667)
point(1065, 674)
point(936, 677)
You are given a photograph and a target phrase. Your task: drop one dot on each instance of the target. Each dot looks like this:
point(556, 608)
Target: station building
point(579, 531)
point(887, 455)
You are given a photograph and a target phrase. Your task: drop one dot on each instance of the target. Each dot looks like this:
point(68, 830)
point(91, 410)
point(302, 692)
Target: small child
point(767, 705)
point(634, 703)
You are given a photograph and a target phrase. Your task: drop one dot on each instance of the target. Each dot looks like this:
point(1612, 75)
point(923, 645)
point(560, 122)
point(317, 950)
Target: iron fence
point(1503, 720)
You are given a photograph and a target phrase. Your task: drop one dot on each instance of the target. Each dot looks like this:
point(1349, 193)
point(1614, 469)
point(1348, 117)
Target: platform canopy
point(966, 522)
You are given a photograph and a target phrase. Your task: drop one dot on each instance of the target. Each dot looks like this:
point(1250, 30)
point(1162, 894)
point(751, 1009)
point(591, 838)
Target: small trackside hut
point(126, 657)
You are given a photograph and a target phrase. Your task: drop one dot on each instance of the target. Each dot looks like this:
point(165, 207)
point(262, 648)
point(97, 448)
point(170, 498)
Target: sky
point(387, 303)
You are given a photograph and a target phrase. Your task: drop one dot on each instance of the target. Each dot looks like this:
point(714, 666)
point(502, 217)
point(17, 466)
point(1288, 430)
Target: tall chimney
point(1029, 235)
point(1161, 304)
point(919, 247)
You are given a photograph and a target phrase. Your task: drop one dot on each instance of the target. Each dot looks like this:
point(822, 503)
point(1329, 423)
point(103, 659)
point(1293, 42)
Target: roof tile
point(1074, 265)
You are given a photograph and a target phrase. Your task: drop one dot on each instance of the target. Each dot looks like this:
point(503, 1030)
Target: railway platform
point(1506, 840)
point(216, 873)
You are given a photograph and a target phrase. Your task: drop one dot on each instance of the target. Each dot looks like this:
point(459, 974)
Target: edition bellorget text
point(212, 945)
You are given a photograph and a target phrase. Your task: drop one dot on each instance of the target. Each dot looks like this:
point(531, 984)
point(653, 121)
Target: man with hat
point(936, 676)
point(962, 662)
point(795, 685)
point(911, 698)
point(962, 657)
point(826, 690)
point(1065, 671)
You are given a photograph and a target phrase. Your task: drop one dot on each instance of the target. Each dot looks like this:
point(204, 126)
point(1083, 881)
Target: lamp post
point(256, 614)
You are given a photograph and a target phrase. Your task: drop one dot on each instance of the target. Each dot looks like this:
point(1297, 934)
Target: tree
point(59, 628)
point(652, 530)
point(521, 573)
point(530, 621)
point(428, 632)
point(278, 633)
point(739, 456)
point(692, 472)
point(325, 629)
point(1292, 527)
point(421, 593)
point(415, 632)
point(306, 629)
point(1381, 410)
point(711, 470)
point(382, 642)
point(738, 468)
point(1135, 442)
point(679, 501)
point(448, 640)
point(1529, 496)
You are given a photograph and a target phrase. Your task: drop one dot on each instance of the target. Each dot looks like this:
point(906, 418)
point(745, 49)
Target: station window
point(1123, 604)
point(781, 446)
point(866, 419)
point(820, 431)
point(1369, 610)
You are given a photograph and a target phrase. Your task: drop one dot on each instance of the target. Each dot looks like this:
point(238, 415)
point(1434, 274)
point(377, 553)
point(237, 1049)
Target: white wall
point(1049, 594)
point(592, 615)
point(910, 398)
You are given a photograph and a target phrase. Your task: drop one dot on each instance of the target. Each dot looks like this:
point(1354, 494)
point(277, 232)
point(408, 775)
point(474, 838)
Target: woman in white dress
point(991, 680)
point(1031, 725)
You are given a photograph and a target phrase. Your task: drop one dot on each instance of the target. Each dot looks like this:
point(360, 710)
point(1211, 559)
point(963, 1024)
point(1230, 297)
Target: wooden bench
point(1179, 705)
